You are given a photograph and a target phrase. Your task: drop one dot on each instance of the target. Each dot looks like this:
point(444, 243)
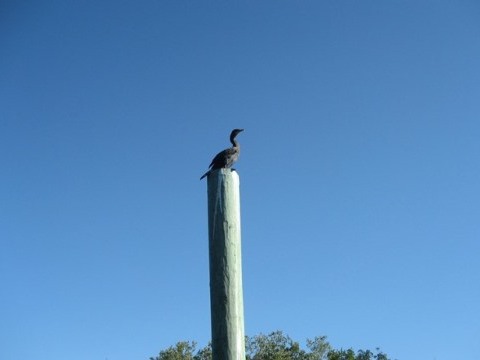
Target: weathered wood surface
point(226, 292)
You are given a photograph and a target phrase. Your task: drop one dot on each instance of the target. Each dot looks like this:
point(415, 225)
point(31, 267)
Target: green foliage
point(360, 355)
point(183, 350)
point(204, 354)
point(341, 355)
point(275, 346)
point(319, 348)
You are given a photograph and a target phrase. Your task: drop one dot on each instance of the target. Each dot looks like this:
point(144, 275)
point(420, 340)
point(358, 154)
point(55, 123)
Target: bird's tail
point(206, 174)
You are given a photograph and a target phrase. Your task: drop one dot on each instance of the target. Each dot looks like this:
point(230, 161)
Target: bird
point(226, 158)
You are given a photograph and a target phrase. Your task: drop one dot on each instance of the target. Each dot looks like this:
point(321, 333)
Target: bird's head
point(235, 132)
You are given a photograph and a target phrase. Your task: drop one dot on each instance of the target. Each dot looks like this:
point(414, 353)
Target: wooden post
point(226, 292)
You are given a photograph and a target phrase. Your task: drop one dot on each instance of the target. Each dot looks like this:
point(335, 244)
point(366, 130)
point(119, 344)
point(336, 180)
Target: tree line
point(274, 346)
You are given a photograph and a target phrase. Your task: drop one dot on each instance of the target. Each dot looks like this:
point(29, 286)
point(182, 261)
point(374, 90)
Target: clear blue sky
point(359, 172)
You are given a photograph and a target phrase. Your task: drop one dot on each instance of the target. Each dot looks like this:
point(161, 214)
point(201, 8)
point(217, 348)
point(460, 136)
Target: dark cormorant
point(226, 158)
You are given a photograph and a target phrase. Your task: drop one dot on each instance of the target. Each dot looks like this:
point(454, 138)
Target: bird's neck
point(234, 142)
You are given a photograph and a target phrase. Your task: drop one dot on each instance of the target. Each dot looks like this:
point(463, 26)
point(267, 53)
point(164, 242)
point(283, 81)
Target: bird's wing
point(220, 158)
